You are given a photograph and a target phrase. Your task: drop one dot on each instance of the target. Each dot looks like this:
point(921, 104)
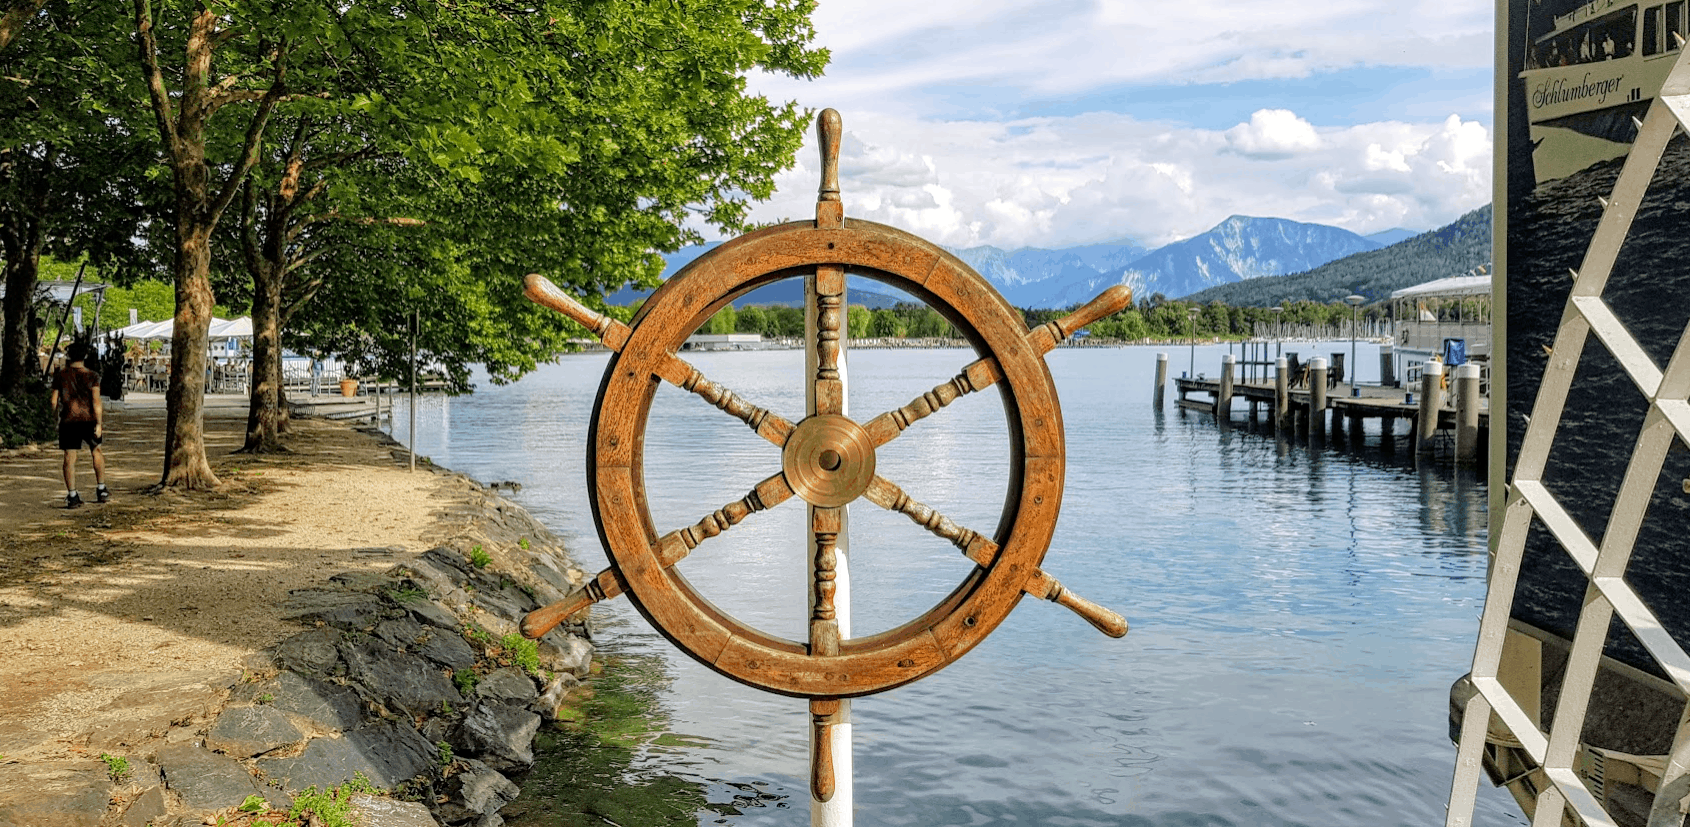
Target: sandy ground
point(143, 604)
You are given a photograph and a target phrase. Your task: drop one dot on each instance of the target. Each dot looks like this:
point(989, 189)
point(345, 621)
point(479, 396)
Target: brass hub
point(828, 460)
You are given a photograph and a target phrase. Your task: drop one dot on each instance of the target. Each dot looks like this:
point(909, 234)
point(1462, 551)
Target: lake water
point(1298, 614)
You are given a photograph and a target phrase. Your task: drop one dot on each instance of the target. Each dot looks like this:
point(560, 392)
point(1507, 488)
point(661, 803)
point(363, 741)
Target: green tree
point(73, 161)
point(858, 320)
point(751, 320)
point(721, 323)
point(566, 138)
point(17, 12)
point(885, 324)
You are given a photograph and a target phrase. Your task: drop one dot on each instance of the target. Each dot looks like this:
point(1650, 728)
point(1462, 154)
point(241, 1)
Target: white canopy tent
point(240, 328)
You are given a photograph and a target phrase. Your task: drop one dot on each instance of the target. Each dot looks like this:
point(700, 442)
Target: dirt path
point(115, 618)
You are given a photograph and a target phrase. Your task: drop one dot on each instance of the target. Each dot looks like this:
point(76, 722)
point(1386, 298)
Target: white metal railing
point(1558, 753)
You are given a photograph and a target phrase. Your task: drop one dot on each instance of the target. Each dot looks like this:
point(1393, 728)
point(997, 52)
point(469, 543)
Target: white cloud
point(930, 146)
point(1273, 134)
point(1055, 182)
point(885, 48)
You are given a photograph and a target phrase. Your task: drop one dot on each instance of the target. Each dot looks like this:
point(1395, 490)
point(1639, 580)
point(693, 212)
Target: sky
point(1054, 124)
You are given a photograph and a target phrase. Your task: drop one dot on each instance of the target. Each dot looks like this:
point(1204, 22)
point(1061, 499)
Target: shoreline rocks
point(414, 680)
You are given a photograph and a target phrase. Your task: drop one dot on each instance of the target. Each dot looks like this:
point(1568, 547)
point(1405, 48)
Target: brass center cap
point(828, 460)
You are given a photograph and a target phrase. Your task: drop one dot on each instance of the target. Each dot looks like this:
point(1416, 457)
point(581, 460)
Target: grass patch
point(523, 542)
point(521, 652)
point(466, 679)
point(332, 808)
point(117, 767)
point(479, 557)
point(406, 594)
point(445, 758)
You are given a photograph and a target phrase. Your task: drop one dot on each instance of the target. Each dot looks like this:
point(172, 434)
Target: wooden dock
point(1306, 411)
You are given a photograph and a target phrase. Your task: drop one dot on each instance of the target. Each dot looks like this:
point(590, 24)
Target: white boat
point(1596, 69)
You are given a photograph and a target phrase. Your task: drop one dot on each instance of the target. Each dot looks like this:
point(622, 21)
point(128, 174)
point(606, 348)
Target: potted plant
point(348, 386)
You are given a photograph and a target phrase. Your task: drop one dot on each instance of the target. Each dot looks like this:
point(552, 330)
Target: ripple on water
point(1298, 616)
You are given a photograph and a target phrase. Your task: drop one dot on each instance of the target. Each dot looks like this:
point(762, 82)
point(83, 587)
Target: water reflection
point(1298, 612)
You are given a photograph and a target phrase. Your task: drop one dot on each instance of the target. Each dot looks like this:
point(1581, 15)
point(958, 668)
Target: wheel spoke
point(983, 373)
point(979, 375)
point(826, 524)
point(828, 345)
point(671, 549)
point(974, 545)
point(768, 424)
point(674, 546)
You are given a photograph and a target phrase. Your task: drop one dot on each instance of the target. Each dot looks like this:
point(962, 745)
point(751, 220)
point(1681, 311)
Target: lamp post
point(1193, 313)
point(1354, 301)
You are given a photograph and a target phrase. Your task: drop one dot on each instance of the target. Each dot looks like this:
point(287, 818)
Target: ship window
point(1653, 43)
point(1675, 24)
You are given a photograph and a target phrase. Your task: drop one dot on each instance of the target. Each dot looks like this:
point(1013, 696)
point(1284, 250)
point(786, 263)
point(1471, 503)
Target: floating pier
point(1438, 413)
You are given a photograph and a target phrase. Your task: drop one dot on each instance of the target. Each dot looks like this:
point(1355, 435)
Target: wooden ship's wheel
point(827, 459)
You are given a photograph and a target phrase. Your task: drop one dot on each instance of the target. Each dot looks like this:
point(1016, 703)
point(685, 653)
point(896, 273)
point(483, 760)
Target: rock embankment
point(413, 681)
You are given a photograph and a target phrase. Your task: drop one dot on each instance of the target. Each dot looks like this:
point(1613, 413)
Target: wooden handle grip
point(603, 587)
point(824, 714)
point(1107, 303)
point(1105, 620)
point(541, 291)
point(829, 128)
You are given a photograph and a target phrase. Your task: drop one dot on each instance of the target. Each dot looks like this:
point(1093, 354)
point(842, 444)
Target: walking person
point(76, 399)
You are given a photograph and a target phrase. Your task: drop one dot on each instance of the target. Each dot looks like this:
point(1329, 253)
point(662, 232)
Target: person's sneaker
point(73, 500)
point(102, 494)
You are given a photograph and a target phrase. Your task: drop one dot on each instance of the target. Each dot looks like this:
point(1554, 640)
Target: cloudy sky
point(1049, 124)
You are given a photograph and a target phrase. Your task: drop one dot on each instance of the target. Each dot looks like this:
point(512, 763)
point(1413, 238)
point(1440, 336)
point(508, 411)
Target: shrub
point(25, 418)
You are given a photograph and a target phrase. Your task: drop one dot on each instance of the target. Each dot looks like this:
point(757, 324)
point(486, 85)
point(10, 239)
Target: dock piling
point(1466, 413)
point(1281, 394)
point(1317, 398)
point(1161, 378)
point(1223, 402)
point(1431, 404)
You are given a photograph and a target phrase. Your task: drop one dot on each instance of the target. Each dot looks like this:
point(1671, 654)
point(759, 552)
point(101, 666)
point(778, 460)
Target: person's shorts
point(73, 434)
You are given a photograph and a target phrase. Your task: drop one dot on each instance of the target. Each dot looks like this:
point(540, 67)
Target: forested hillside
point(1447, 251)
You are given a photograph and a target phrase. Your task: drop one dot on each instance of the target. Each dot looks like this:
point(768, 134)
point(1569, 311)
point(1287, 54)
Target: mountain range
point(1450, 250)
point(1238, 249)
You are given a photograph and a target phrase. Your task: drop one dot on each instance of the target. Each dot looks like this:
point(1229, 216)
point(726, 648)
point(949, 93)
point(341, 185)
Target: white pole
point(416, 322)
point(836, 811)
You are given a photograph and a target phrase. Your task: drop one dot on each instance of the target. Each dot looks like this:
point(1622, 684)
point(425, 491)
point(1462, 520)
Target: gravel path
point(152, 603)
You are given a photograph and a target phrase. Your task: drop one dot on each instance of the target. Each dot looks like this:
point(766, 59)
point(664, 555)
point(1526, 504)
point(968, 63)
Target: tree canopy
point(343, 168)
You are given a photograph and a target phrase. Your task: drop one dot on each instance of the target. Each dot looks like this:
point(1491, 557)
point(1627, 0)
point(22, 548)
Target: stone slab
point(401, 680)
point(371, 811)
point(313, 651)
point(387, 753)
point(245, 731)
point(54, 794)
point(205, 780)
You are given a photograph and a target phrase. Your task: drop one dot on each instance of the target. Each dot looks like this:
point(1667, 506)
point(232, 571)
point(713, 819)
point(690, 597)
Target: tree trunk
point(15, 17)
point(264, 414)
point(17, 361)
point(185, 463)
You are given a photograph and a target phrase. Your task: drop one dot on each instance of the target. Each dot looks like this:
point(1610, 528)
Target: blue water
point(1298, 613)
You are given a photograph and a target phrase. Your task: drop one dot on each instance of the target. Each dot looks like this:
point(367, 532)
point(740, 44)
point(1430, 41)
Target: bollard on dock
point(1466, 413)
point(1281, 394)
point(1161, 378)
point(1317, 398)
point(1223, 401)
point(1431, 403)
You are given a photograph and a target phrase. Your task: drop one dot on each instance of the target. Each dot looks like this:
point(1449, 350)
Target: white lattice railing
point(1558, 751)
